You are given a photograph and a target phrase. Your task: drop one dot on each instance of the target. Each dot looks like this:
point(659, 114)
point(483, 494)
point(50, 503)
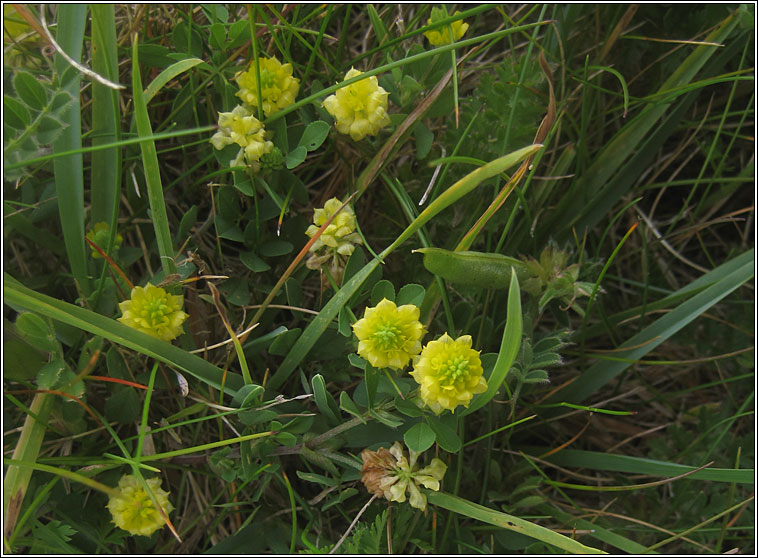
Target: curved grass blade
point(506, 521)
point(16, 294)
point(509, 347)
point(656, 333)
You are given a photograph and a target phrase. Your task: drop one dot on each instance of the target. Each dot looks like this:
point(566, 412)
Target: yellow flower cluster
point(388, 335)
point(153, 311)
point(99, 235)
point(338, 239)
point(449, 372)
point(360, 109)
point(441, 36)
point(278, 87)
point(133, 510)
point(390, 474)
point(244, 129)
point(240, 126)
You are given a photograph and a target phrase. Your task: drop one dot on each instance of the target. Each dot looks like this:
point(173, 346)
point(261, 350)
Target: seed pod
point(477, 269)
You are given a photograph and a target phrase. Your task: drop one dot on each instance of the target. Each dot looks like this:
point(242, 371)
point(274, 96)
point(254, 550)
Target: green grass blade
point(69, 170)
point(115, 331)
point(596, 531)
point(16, 479)
point(105, 183)
point(599, 461)
point(175, 69)
point(656, 333)
point(500, 519)
point(152, 170)
point(509, 347)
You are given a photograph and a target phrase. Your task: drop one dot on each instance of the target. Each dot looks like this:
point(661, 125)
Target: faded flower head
point(389, 336)
point(241, 127)
point(133, 510)
point(99, 235)
point(278, 87)
point(441, 36)
point(449, 372)
point(360, 109)
point(153, 311)
point(390, 474)
point(337, 241)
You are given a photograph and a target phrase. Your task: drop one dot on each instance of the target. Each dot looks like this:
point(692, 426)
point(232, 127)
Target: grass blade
point(152, 169)
point(656, 333)
point(69, 170)
point(500, 519)
point(115, 331)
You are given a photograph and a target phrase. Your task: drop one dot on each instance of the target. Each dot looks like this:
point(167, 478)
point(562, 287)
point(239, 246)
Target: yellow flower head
point(389, 336)
point(360, 109)
point(153, 311)
point(133, 510)
point(99, 234)
point(441, 36)
point(278, 87)
point(449, 372)
point(389, 474)
point(244, 129)
point(340, 234)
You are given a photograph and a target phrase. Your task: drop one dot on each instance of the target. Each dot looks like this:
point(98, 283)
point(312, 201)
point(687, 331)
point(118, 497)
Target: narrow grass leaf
point(509, 347)
point(506, 521)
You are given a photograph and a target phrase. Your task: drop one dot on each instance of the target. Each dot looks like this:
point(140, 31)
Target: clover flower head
point(388, 335)
point(360, 109)
point(390, 474)
point(278, 87)
point(99, 235)
point(241, 127)
point(449, 372)
point(133, 510)
point(153, 311)
point(441, 36)
point(337, 241)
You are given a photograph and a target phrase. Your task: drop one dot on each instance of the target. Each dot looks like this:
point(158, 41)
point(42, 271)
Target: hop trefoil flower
point(152, 310)
point(99, 234)
point(132, 508)
point(390, 474)
point(278, 87)
point(360, 109)
point(389, 336)
point(337, 241)
point(441, 36)
point(241, 127)
point(449, 372)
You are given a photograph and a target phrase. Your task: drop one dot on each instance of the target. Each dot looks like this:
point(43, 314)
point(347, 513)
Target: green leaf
point(167, 75)
point(347, 405)
point(36, 331)
point(410, 294)
point(283, 344)
point(275, 248)
point(253, 262)
point(324, 400)
point(314, 135)
point(382, 289)
point(407, 407)
point(123, 406)
point(424, 140)
point(15, 112)
point(295, 157)
point(447, 437)
point(419, 437)
point(509, 348)
point(29, 89)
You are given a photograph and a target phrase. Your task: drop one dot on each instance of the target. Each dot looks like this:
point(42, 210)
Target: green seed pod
point(477, 269)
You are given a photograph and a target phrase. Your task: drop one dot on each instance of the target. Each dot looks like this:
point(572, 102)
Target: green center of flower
point(454, 369)
point(155, 310)
point(268, 79)
point(387, 337)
